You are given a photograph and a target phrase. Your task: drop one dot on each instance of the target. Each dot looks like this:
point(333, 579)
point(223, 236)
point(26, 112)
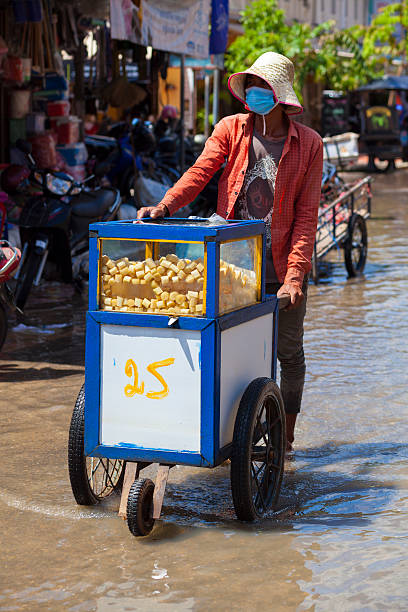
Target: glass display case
point(177, 268)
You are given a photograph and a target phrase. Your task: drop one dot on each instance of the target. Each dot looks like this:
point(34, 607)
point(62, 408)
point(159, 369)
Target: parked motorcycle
point(9, 261)
point(54, 220)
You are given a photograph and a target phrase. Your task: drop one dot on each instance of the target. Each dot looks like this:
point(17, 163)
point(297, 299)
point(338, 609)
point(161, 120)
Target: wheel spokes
point(103, 475)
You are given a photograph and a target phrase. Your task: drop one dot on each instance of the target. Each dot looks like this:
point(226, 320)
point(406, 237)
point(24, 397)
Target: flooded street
point(339, 540)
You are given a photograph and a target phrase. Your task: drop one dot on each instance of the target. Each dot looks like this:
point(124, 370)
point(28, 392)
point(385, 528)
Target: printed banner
point(179, 26)
point(219, 26)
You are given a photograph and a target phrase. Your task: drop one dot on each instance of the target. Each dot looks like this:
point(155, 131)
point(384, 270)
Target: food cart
point(181, 347)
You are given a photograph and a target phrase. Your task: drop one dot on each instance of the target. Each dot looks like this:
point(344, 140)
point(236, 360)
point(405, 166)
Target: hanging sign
point(179, 26)
point(219, 26)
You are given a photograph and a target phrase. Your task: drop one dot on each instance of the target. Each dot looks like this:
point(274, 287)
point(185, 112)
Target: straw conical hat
point(278, 71)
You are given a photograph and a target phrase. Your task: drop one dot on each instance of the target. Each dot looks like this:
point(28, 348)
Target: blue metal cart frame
point(210, 328)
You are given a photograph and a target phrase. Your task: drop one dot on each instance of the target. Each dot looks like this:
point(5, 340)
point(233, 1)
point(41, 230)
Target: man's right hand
point(154, 212)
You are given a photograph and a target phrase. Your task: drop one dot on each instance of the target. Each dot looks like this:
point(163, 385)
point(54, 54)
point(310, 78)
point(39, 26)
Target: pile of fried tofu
point(169, 285)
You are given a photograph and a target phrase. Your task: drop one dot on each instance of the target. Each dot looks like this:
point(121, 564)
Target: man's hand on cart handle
point(154, 212)
point(294, 292)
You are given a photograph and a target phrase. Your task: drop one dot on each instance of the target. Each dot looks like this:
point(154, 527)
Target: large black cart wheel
point(140, 507)
point(92, 478)
point(355, 246)
point(258, 451)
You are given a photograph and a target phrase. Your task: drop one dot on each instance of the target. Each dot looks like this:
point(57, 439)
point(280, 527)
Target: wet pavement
point(339, 540)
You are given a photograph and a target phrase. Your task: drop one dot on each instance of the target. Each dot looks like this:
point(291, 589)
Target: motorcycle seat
point(93, 204)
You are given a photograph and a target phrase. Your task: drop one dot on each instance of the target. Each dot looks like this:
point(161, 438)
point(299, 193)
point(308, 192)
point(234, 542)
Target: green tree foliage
point(341, 59)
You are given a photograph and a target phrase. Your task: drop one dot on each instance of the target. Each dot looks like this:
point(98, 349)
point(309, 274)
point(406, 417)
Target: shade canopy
point(387, 83)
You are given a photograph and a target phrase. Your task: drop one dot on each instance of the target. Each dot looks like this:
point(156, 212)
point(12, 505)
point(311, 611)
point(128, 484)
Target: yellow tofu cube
point(143, 282)
point(135, 281)
point(108, 308)
point(180, 298)
point(148, 277)
point(157, 290)
point(195, 274)
point(119, 301)
point(139, 266)
point(104, 270)
point(106, 278)
point(161, 270)
point(200, 267)
point(111, 280)
point(114, 270)
point(146, 303)
point(201, 295)
point(161, 304)
point(138, 302)
point(154, 284)
point(150, 263)
point(118, 278)
point(184, 311)
point(182, 275)
point(165, 280)
point(121, 264)
point(174, 268)
point(165, 295)
point(175, 279)
point(127, 279)
point(107, 301)
point(200, 280)
point(114, 302)
point(123, 309)
point(170, 304)
point(108, 292)
point(181, 264)
point(189, 279)
point(172, 258)
point(192, 294)
point(105, 258)
point(124, 271)
point(109, 263)
point(130, 303)
point(173, 295)
point(165, 263)
point(140, 274)
point(192, 304)
point(132, 270)
point(199, 308)
point(171, 273)
point(153, 303)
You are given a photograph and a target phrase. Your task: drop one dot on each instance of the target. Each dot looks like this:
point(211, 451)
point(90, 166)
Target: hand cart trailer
point(342, 224)
point(181, 348)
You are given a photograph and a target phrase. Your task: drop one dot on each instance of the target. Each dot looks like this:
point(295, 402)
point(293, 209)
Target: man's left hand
point(296, 295)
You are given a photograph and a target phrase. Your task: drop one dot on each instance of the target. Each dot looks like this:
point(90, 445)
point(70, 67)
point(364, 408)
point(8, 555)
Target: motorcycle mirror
point(24, 146)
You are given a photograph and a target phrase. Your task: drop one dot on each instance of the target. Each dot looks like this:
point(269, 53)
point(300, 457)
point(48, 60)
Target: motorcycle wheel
point(26, 277)
point(3, 324)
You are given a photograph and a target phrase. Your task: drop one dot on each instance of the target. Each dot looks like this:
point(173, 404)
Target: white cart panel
point(150, 387)
point(246, 353)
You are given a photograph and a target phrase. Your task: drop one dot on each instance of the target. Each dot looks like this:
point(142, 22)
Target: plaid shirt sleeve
point(195, 178)
point(305, 221)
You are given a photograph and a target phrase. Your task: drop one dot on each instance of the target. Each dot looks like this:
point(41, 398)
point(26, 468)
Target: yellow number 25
point(132, 389)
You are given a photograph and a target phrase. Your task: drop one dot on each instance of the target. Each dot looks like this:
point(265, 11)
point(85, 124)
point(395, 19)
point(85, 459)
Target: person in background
point(273, 172)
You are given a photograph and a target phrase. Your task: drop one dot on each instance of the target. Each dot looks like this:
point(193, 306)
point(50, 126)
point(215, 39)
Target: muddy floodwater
point(339, 540)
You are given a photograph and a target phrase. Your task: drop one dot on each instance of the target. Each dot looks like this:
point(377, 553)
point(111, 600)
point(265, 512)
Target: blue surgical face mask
point(259, 100)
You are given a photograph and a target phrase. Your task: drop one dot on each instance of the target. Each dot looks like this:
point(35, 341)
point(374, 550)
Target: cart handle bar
point(283, 301)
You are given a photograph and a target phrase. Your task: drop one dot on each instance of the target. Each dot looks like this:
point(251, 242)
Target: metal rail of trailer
point(342, 224)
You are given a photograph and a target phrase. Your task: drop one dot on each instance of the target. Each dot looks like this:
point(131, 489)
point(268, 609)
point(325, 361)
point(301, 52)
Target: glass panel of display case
point(152, 277)
point(240, 273)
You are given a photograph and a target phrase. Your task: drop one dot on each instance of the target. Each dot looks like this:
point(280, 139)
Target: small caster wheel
point(140, 507)
point(92, 478)
point(355, 246)
point(258, 450)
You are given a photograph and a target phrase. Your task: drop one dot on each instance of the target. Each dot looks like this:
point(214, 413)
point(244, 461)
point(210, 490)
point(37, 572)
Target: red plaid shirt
point(297, 188)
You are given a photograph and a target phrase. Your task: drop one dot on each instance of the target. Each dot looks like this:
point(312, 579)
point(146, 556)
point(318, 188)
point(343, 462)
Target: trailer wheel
point(355, 246)
point(92, 478)
point(258, 451)
point(140, 507)
point(380, 165)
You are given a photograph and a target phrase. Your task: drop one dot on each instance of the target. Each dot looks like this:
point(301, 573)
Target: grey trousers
point(290, 351)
